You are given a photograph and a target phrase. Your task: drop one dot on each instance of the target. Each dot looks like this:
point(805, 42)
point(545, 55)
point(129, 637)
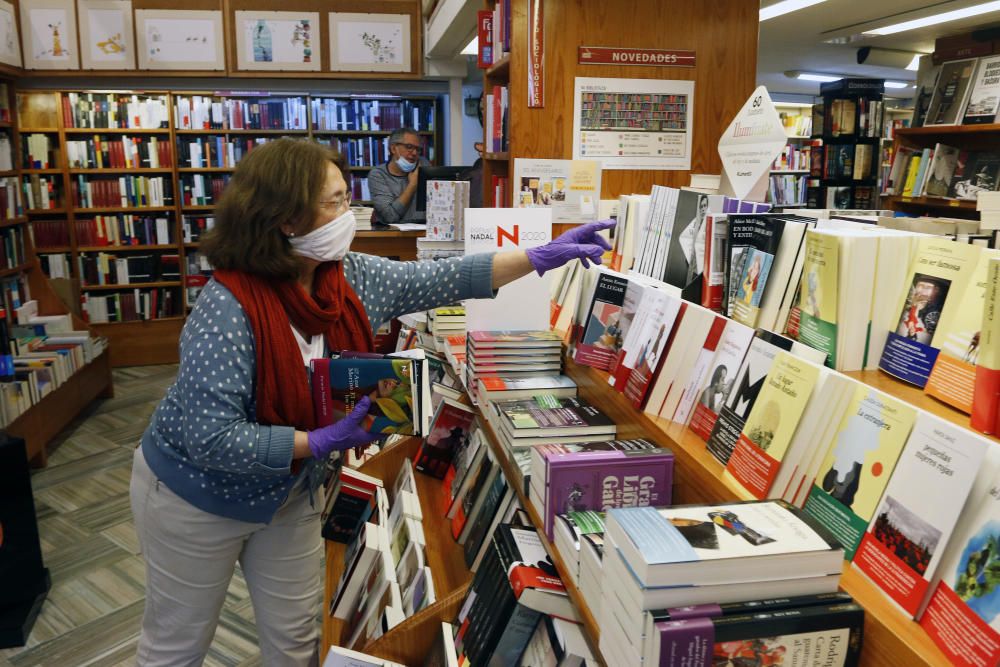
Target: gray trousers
point(190, 557)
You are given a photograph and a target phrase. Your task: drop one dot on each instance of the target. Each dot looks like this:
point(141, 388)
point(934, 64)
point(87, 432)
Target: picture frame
point(277, 41)
point(369, 42)
point(10, 42)
point(48, 30)
point(166, 39)
point(106, 34)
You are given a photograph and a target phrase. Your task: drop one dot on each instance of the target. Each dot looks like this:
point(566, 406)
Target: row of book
point(849, 116)
point(202, 189)
point(125, 152)
point(115, 110)
point(496, 116)
point(108, 269)
point(943, 171)
point(131, 306)
point(193, 226)
point(199, 112)
point(216, 152)
point(12, 247)
point(431, 249)
point(493, 29)
point(130, 191)
point(6, 152)
point(197, 272)
point(10, 199)
point(50, 233)
point(369, 115)
point(359, 189)
point(847, 161)
point(57, 265)
point(787, 190)
point(120, 229)
point(796, 157)
point(964, 93)
point(841, 197)
point(38, 151)
point(365, 151)
point(797, 124)
point(41, 192)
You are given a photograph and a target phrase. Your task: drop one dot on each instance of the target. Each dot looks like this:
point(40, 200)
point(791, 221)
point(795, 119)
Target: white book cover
point(701, 373)
point(905, 541)
point(963, 615)
point(522, 305)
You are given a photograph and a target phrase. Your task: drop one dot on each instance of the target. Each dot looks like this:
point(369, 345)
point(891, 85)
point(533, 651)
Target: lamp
point(879, 57)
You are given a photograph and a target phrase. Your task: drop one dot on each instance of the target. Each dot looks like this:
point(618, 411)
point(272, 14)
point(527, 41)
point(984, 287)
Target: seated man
point(393, 185)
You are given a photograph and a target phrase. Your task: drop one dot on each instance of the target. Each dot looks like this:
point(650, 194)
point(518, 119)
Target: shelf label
point(609, 55)
point(954, 203)
point(536, 55)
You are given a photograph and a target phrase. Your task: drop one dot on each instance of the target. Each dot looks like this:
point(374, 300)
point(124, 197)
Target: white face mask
point(330, 242)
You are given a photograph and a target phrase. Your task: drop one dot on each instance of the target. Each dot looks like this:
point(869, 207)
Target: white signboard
point(633, 123)
point(750, 144)
point(522, 305)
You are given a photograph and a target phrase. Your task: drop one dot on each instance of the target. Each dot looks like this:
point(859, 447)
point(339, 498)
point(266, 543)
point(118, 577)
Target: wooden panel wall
point(722, 32)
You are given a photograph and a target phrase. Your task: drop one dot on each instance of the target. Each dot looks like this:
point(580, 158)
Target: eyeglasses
point(337, 202)
point(411, 148)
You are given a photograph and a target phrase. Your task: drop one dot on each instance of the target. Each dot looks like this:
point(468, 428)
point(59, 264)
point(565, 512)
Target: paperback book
point(449, 433)
point(391, 384)
point(602, 335)
point(721, 378)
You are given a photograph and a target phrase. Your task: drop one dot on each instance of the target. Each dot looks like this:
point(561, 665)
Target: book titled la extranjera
point(391, 384)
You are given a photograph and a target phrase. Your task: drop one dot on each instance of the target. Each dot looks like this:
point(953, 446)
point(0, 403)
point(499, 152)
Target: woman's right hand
point(344, 434)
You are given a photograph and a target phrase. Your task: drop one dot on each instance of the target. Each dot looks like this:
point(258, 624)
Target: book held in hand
point(390, 383)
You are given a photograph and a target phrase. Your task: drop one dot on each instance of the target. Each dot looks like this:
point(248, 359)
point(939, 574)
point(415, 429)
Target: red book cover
point(986, 400)
point(497, 119)
point(485, 31)
point(67, 112)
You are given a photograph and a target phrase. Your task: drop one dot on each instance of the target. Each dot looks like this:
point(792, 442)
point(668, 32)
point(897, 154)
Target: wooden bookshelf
point(410, 641)
point(41, 111)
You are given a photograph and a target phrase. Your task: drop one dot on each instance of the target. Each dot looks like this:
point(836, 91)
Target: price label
point(907, 200)
point(953, 203)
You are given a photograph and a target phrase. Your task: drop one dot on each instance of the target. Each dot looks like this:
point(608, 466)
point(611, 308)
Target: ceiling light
point(785, 7)
point(965, 12)
point(914, 64)
point(897, 84)
point(822, 78)
point(472, 48)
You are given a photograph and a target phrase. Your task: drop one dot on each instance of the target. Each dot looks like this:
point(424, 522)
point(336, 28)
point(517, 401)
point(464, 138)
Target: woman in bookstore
point(230, 468)
point(394, 184)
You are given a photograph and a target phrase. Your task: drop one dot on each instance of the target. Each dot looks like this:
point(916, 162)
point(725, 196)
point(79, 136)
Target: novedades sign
point(604, 55)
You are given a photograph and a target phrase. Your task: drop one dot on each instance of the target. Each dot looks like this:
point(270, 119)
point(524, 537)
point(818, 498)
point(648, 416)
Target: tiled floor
point(92, 613)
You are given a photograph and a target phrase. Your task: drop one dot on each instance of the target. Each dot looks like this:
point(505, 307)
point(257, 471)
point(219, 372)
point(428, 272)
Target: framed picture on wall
point(179, 40)
point(106, 34)
point(369, 42)
point(277, 41)
point(49, 31)
point(10, 46)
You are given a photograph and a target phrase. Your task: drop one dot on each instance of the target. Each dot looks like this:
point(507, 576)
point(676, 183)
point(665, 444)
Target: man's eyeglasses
point(411, 148)
point(337, 203)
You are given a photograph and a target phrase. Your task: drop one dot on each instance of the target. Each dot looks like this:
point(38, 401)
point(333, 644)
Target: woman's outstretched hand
point(582, 243)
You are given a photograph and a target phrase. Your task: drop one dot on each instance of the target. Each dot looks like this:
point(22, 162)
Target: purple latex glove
point(582, 243)
point(343, 434)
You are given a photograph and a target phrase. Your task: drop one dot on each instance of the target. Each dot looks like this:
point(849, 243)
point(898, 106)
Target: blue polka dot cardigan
point(203, 440)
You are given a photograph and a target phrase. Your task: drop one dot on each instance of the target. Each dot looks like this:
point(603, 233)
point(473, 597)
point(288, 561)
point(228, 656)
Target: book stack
point(569, 531)
point(511, 354)
point(446, 320)
point(706, 554)
point(598, 476)
point(546, 419)
point(363, 216)
point(338, 656)
point(428, 249)
point(351, 499)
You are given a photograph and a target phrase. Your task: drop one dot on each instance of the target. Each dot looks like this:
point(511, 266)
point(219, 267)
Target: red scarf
point(283, 394)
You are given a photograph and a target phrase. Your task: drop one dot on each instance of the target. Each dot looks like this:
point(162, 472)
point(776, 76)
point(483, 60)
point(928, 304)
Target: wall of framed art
point(349, 39)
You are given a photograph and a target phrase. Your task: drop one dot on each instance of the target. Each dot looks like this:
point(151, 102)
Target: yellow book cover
point(771, 424)
point(818, 300)
point(911, 176)
point(859, 460)
point(953, 377)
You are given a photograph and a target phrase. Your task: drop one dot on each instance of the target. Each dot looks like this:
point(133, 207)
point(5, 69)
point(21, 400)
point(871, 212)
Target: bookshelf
point(793, 174)
point(220, 127)
point(852, 134)
point(972, 138)
point(40, 423)
point(409, 642)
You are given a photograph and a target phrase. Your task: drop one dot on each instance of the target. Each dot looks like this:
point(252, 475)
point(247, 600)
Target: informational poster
point(571, 188)
point(749, 145)
point(522, 305)
point(633, 123)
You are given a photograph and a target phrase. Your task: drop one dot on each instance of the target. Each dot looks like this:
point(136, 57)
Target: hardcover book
point(905, 542)
point(860, 457)
point(963, 615)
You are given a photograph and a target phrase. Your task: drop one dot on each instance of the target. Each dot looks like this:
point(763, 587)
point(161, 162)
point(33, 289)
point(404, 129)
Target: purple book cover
point(746, 206)
point(606, 480)
point(730, 205)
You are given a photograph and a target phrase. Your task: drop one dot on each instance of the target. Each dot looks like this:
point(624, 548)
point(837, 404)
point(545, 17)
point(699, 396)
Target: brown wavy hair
point(276, 183)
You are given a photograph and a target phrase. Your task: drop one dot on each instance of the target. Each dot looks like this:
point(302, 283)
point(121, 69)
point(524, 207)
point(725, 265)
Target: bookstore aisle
point(94, 609)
